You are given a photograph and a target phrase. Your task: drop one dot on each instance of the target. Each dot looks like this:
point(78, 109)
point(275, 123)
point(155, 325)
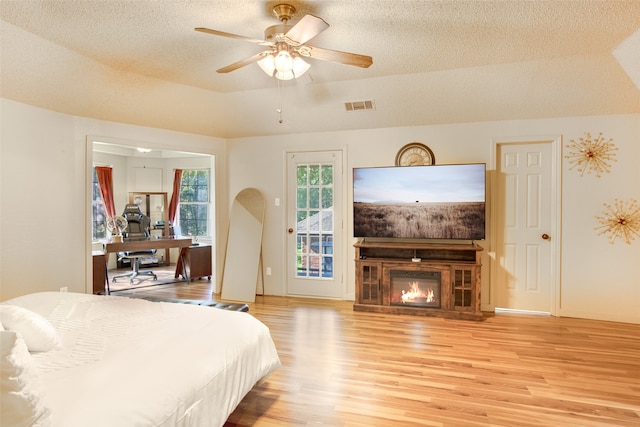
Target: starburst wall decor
point(622, 220)
point(591, 154)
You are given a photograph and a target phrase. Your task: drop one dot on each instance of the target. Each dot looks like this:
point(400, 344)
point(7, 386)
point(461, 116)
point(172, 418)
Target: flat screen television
point(420, 202)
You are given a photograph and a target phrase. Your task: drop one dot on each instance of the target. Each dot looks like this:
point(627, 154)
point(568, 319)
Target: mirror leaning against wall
point(244, 247)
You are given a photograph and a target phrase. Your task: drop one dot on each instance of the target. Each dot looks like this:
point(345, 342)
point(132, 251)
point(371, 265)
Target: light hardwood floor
point(346, 368)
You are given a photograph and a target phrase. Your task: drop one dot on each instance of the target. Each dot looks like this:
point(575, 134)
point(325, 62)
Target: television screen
point(420, 202)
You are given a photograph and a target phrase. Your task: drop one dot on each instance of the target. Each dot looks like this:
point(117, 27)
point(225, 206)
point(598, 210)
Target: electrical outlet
point(64, 289)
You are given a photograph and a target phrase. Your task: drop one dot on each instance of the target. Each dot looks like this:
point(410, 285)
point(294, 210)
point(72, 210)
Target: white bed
point(130, 362)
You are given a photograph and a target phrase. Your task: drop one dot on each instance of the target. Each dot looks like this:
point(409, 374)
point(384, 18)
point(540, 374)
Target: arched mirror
point(244, 246)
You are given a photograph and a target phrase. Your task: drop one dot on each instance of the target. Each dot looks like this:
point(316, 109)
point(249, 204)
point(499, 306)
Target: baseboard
point(515, 311)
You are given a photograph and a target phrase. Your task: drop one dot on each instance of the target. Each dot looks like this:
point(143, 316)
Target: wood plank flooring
point(346, 368)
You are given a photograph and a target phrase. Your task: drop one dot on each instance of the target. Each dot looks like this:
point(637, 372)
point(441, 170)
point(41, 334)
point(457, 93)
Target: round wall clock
point(415, 154)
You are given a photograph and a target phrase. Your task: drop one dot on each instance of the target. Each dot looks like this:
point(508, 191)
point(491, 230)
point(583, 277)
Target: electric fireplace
point(415, 288)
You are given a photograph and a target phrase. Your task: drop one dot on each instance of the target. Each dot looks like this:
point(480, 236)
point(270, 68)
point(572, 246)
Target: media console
point(427, 279)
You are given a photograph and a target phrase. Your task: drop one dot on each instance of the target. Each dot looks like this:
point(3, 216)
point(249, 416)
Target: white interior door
point(524, 250)
point(314, 222)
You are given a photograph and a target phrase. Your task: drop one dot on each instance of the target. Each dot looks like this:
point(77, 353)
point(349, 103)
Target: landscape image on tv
point(420, 202)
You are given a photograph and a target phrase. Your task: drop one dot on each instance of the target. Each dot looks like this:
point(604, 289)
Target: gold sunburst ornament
point(591, 154)
point(620, 220)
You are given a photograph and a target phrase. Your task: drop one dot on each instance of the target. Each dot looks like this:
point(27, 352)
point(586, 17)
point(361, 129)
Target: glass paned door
point(314, 191)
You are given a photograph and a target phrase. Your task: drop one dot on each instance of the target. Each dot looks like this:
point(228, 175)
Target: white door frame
point(556, 211)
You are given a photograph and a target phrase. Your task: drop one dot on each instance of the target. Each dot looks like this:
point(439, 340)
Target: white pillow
point(22, 400)
point(36, 331)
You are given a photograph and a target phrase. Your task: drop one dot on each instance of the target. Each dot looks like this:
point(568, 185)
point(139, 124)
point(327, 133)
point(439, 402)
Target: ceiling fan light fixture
point(283, 66)
point(267, 65)
point(287, 75)
point(283, 61)
point(300, 66)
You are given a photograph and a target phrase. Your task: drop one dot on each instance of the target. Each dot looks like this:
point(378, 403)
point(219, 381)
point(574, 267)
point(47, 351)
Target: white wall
point(598, 280)
point(44, 191)
point(43, 155)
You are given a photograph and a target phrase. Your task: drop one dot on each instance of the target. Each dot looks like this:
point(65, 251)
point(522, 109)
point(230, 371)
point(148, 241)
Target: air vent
point(359, 105)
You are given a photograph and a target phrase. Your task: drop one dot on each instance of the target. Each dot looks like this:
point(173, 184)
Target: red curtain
point(175, 196)
point(105, 180)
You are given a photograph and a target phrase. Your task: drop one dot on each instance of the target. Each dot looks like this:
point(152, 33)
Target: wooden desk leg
point(106, 278)
point(181, 266)
point(185, 267)
point(106, 272)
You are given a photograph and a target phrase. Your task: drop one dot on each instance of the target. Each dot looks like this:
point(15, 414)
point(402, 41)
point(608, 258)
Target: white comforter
point(131, 362)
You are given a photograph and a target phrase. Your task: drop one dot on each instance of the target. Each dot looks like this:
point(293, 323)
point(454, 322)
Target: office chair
point(137, 228)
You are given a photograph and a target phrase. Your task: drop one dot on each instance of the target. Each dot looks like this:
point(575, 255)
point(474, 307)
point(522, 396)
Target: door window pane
point(315, 221)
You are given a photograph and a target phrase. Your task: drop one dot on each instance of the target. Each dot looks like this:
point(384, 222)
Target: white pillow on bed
point(22, 399)
point(36, 331)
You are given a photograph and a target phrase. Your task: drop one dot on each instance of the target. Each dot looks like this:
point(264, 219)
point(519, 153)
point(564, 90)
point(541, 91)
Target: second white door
point(523, 249)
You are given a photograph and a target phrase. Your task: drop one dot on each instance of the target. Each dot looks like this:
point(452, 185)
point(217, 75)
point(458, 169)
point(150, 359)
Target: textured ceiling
point(434, 62)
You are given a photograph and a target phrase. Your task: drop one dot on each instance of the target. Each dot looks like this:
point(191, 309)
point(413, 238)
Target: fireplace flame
point(415, 293)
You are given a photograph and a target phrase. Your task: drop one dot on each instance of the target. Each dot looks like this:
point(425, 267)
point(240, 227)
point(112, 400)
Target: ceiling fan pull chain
point(279, 110)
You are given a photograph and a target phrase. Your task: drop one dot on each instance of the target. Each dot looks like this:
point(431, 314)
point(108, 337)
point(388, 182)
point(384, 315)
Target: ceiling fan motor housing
point(275, 33)
point(284, 12)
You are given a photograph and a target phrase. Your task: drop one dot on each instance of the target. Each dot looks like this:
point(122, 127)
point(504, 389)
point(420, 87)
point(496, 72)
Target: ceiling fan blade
point(244, 62)
point(233, 36)
point(306, 29)
point(346, 58)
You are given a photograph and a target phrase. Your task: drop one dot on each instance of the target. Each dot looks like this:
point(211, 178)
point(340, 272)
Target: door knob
point(290, 230)
point(545, 236)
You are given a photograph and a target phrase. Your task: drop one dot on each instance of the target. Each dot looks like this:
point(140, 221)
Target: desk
point(147, 244)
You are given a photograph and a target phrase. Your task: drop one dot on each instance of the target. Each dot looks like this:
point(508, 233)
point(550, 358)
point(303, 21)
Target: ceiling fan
point(286, 48)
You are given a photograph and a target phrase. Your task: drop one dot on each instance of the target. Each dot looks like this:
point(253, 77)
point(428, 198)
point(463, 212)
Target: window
point(98, 213)
point(193, 216)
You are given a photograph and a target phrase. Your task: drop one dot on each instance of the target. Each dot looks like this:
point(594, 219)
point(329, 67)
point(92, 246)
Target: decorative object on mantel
point(591, 154)
point(415, 154)
point(622, 220)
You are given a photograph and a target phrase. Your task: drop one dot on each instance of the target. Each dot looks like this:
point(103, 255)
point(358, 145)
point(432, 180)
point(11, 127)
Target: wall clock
point(415, 154)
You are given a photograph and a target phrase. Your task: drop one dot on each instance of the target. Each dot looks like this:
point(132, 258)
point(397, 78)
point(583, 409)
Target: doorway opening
point(147, 171)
